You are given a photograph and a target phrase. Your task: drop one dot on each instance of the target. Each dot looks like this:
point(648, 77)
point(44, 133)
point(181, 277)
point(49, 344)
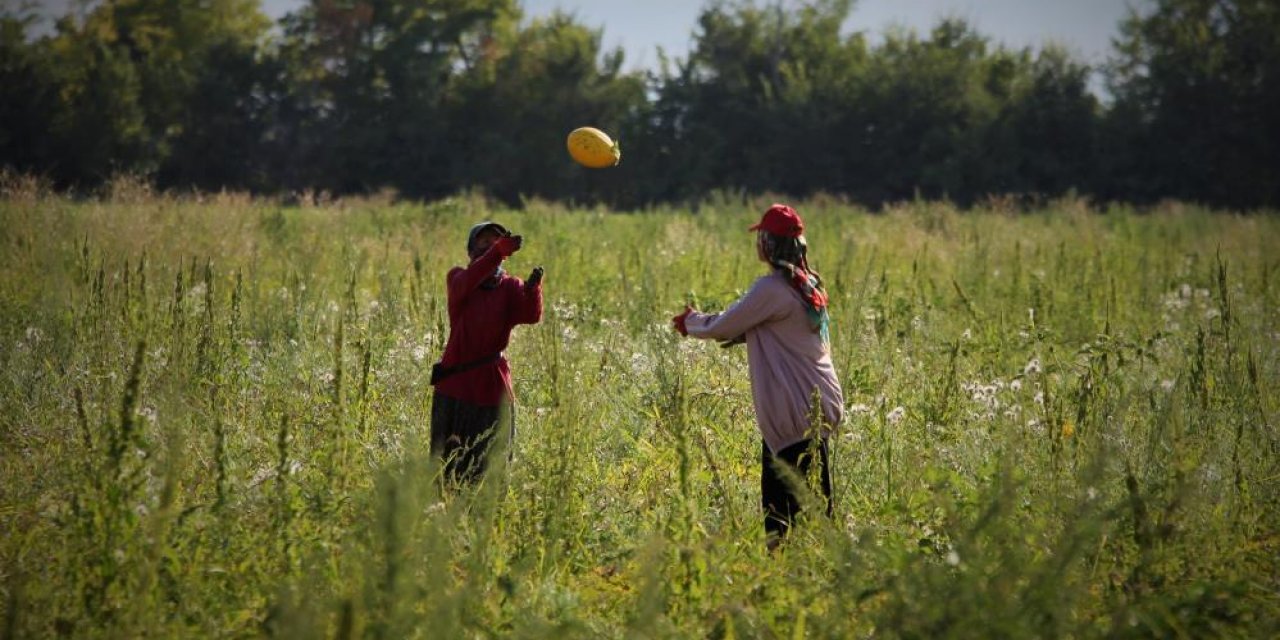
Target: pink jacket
point(787, 358)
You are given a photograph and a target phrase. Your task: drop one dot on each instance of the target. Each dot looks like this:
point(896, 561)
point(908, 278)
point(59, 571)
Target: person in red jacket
point(472, 381)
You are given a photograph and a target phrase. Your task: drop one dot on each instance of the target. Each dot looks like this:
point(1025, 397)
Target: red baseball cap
point(780, 220)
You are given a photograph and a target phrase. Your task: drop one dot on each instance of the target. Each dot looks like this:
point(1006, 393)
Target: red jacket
point(480, 322)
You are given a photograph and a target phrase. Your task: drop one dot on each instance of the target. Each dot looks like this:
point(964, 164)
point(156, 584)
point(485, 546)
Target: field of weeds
point(215, 415)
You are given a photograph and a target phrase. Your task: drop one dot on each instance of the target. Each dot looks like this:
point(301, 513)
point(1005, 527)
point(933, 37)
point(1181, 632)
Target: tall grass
point(215, 423)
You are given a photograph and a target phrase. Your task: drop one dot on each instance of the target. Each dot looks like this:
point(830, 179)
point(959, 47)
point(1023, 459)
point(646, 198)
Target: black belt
point(439, 373)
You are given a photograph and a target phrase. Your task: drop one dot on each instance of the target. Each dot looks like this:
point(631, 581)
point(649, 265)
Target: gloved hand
point(507, 245)
point(678, 322)
point(535, 278)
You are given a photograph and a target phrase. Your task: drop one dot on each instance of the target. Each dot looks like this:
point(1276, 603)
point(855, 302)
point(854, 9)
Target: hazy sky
point(1084, 26)
point(640, 26)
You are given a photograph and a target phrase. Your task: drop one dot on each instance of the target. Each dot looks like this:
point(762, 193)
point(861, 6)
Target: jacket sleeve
point(462, 281)
point(528, 303)
point(758, 306)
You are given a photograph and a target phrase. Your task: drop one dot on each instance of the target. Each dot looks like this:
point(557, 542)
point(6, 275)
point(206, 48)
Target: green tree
point(538, 84)
point(1197, 90)
point(1041, 139)
point(373, 81)
point(115, 86)
point(753, 104)
point(233, 132)
point(25, 111)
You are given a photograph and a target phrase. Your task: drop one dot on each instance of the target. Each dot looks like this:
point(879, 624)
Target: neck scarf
point(492, 281)
point(789, 257)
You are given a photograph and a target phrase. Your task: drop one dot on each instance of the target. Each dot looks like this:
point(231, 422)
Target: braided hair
point(789, 257)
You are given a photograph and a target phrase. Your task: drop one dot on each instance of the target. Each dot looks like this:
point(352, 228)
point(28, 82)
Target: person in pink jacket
point(783, 320)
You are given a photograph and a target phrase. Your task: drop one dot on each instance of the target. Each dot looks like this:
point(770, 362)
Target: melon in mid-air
point(593, 148)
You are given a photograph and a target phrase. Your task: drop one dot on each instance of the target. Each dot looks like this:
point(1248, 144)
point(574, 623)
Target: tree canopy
point(428, 97)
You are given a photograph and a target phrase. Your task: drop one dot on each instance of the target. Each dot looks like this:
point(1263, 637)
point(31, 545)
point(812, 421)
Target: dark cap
point(481, 227)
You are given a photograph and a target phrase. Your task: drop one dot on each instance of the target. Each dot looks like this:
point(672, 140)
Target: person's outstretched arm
point(462, 281)
point(756, 307)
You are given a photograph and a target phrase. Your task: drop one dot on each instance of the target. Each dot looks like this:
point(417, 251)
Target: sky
point(1084, 27)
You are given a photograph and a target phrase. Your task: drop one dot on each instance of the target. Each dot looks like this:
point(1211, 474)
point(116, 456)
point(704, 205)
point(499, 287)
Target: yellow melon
point(593, 148)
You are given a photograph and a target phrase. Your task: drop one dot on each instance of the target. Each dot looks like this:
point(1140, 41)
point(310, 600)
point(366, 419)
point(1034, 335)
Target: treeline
point(429, 97)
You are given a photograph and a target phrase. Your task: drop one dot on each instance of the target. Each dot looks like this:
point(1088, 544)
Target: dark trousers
point(778, 497)
point(462, 434)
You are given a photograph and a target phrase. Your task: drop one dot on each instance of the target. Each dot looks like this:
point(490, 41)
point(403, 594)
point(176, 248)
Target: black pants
point(462, 433)
point(778, 498)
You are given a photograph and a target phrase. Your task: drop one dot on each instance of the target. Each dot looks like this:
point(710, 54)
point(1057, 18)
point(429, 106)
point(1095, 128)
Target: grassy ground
point(1061, 423)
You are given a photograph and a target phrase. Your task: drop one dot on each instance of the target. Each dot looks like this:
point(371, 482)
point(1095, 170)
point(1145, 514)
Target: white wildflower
point(896, 415)
point(419, 353)
point(564, 310)
point(639, 363)
point(1033, 367)
point(953, 558)
point(1015, 384)
point(261, 474)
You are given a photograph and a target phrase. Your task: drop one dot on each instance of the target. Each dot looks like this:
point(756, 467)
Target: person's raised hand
point(535, 278)
point(507, 245)
point(677, 322)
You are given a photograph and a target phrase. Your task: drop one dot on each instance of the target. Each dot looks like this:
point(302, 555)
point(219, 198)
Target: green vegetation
point(1062, 423)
